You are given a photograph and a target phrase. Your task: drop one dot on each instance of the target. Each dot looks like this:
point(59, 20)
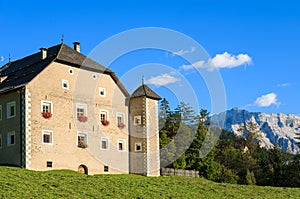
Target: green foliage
point(22, 183)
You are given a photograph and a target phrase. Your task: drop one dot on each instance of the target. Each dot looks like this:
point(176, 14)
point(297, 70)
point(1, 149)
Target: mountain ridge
point(272, 128)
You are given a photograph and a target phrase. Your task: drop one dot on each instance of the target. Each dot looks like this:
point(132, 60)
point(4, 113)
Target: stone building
point(61, 110)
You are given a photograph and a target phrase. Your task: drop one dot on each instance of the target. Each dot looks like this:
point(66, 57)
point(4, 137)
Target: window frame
point(50, 133)
point(137, 117)
point(123, 141)
point(8, 109)
point(102, 111)
point(107, 143)
point(86, 139)
point(138, 144)
point(64, 81)
point(81, 106)
point(48, 102)
point(103, 90)
point(118, 114)
point(9, 134)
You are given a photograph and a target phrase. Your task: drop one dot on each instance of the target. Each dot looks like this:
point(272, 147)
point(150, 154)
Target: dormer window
point(2, 79)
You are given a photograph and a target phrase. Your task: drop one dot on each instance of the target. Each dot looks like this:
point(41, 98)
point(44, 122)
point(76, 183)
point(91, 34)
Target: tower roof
point(145, 91)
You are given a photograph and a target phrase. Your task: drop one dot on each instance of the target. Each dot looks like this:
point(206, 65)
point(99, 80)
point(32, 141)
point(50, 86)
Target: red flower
point(81, 144)
point(82, 118)
point(121, 125)
point(46, 115)
point(105, 122)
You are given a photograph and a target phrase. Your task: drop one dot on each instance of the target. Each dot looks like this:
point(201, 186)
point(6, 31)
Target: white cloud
point(162, 80)
point(182, 52)
point(284, 85)
point(1, 59)
point(267, 100)
point(225, 60)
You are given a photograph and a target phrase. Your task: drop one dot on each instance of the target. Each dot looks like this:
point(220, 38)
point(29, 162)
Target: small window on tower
point(138, 146)
point(137, 120)
point(102, 92)
point(65, 84)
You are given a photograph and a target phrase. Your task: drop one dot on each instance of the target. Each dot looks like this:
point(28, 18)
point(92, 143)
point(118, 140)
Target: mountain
point(272, 129)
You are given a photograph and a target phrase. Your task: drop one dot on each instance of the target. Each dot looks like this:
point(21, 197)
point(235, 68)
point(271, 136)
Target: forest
point(188, 140)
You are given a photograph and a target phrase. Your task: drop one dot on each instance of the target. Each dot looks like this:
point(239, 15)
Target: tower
point(144, 133)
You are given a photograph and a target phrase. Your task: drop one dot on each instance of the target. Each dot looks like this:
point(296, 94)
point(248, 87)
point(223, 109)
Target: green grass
point(22, 183)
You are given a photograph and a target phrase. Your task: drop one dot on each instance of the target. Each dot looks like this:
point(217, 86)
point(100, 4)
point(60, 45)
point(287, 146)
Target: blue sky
point(254, 44)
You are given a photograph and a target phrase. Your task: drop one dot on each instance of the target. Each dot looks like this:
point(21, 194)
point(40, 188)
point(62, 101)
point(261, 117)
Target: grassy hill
point(22, 183)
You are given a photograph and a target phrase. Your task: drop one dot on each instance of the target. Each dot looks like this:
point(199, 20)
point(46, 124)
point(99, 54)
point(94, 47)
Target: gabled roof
point(145, 91)
point(20, 72)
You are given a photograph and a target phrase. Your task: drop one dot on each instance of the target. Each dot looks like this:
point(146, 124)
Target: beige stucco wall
point(10, 154)
point(83, 88)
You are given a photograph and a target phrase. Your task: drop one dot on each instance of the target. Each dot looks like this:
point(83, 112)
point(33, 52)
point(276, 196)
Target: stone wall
point(179, 172)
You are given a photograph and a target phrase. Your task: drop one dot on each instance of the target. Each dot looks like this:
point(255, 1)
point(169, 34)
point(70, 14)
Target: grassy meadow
point(22, 183)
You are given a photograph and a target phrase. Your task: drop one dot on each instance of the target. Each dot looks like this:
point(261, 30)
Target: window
point(71, 71)
point(94, 76)
point(11, 109)
point(138, 146)
point(104, 143)
point(102, 92)
point(137, 120)
point(47, 137)
point(46, 107)
point(65, 84)
point(11, 138)
point(0, 112)
point(0, 141)
point(81, 110)
point(106, 169)
point(49, 163)
point(103, 115)
point(120, 119)
point(121, 145)
point(82, 140)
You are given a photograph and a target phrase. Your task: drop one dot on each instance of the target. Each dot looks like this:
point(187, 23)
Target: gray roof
point(20, 72)
point(145, 91)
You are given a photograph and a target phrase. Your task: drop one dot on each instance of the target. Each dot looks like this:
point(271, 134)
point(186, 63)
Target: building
point(61, 110)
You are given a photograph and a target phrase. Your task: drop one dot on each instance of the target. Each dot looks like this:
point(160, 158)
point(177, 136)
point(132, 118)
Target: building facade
point(61, 110)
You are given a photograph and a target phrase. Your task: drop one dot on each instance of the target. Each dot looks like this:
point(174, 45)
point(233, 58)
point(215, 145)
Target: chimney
point(77, 46)
point(43, 53)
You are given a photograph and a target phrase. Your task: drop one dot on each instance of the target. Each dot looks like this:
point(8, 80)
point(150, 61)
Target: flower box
point(82, 145)
point(46, 115)
point(82, 118)
point(105, 122)
point(121, 125)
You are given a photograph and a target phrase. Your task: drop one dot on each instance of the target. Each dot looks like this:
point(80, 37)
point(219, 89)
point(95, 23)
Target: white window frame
point(138, 144)
point(123, 141)
point(1, 111)
point(9, 134)
point(1, 142)
point(139, 117)
point(94, 76)
point(122, 115)
point(82, 106)
point(64, 81)
point(47, 102)
point(102, 111)
point(8, 108)
point(50, 133)
point(101, 89)
point(79, 133)
point(71, 71)
point(107, 143)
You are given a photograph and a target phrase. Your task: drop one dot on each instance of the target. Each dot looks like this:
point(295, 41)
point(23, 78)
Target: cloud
point(225, 60)
point(284, 85)
point(267, 100)
point(162, 80)
point(1, 59)
point(182, 52)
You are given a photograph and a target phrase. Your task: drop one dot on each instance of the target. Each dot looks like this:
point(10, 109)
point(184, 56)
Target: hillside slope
point(22, 183)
